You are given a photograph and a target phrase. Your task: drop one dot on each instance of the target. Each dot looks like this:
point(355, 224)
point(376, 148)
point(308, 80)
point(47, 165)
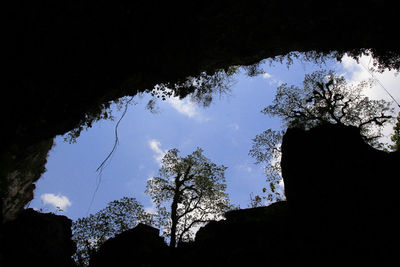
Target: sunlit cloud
point(390, 80)
point(183, 106)
point(234, 126)
point(187, 108)
point(281, 187)
point(155, 145)
point(57, 201)
point(272, 81)
point(244, 167)
point(151, 209)
point(266, 75)
point(358, 72)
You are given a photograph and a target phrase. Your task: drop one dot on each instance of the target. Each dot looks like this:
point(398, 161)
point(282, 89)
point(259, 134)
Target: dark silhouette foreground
point(37, 239)
point(140, 246)
point(341, 210)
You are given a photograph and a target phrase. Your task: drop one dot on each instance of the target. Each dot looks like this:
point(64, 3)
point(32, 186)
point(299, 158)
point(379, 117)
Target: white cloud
point(266, 75)
point(186, 107)
point(151, 209)
point(183, 106)
point(57, 201)
point(141, 167)
point(358, 72)
point(244, 167)
point(271, 80)
point(155, 145)
point(281, 187)
point(234, 126)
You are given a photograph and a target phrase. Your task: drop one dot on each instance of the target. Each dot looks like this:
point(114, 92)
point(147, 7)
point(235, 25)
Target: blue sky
point(224, 130)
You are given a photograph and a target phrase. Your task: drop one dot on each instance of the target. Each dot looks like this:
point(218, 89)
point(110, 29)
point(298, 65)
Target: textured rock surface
point(37, 239)
point(17, 187)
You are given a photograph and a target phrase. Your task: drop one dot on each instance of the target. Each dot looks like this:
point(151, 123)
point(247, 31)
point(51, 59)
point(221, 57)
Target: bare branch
point(376, 120)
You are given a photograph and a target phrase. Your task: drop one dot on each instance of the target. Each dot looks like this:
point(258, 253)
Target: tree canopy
point(92, 231)
point(266, 149)
point(188, 192)
point(325, 97)
point(396, 135)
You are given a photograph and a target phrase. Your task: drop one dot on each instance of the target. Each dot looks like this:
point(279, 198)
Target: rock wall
point(248, 237)
point(37, 239)
point(140, 246)
point(18, 185)
point(341, 209)
point(343, 191)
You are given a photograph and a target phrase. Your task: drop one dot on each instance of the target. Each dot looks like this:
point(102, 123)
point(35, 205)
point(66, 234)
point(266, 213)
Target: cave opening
point(225, 129)
point(66, 64)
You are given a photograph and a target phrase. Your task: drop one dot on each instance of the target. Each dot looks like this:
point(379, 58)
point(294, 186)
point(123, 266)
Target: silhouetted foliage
point(201, 89)
point(382, 58)
point(194, 187)
point(104, 112)
point(325, 98)
point(255, 201)
point(92, 231)
point(254, 69)
point(315, 57)
point(396, 136)
point(266, 149)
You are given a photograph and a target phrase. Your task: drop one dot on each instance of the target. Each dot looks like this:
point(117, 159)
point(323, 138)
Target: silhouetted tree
point(189, 192)
point(396, 136)
point(92, 231)
point(327, 98)
point(266, 149)
point(324, 98)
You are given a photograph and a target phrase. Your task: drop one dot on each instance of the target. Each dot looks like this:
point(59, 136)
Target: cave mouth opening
point(224, 129)
point(69, 62)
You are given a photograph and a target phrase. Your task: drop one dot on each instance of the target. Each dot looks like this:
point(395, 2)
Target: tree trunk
point(174, 205)
point(174, 219)
point(174, 208)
